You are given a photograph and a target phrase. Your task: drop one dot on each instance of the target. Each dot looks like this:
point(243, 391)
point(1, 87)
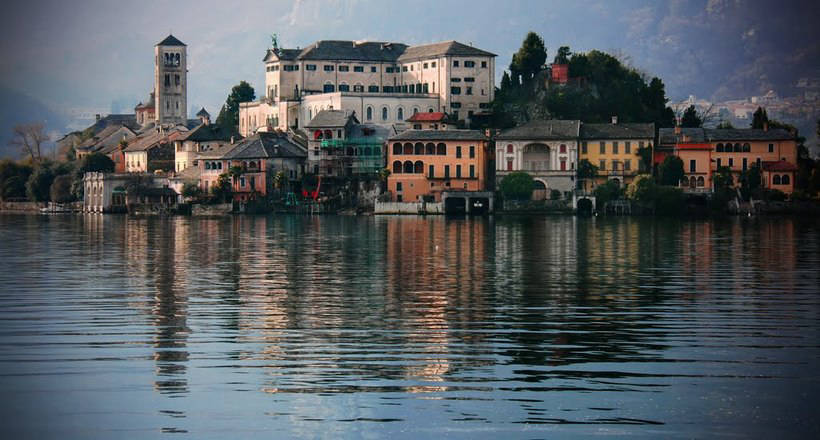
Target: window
point(425, 88)
point(441, 149)
point(388, 70)
point(509, 148)
point(384, 113)
point(563, 148)
point(433, 64)
point(455, 63)
point(328, 88)
point(455, 104)
point(472, 171)
point(472, 151)
point(692, 166)
point(745, 164)
point(344, 88)
point(509, 164)
point(358, 88)
point(469, 64)
point(425, 65)
point(167, 80)
point(357, 68)
point(483, 105)
point(290, 68)
point(373, 89)
point(718, 162)
point(757, 162)
point(455, 80)
point(731, 162)
point(446, 171)
point(431, 171)
point(400, 114)
point(628, 147)
point(373, 69)
point(458, 171)
point(469, 79)
point(458, 152)
point(776, 179)
point(771, 148)
point(397, 148)
point(404, 68)
point(412, 88)
point(628, 165)
point(176, 80)
point(344, 68)
point(785, 180)
point(615, 147)
point(253, 182)
point(603, 148)
point(310, 67)
point(640, 144)
point(563, 164)
point(242, 181)
point(747, 148)
point(369, 113)
point(701, 181)
point(328, 68)
point(584, 147)
point(469, 91)
point(455, 90)
point(398, 186)
point(602, 165)
point(483, 64)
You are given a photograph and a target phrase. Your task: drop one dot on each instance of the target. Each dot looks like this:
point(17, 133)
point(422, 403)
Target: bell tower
point(170, 81)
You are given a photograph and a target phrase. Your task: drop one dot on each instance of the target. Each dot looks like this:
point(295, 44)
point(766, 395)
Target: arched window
point(397, 167)
point(415, 110)
point(776, 179)
point(738, 148)
point(176, 59)
point(408, 148)
point(747, 148)
point(693, 182)
point(419, 148)
point(370, 113)
point(317, 134)
point(430, 148)
point(367, 151)
point(328, 87)
point(207, 165)
point(400, 114)
point(441, 149)
point(430, 110)
point(418, 167)
point(719, 148)
point(509, 148)
point(310, 113)
point(408, 167)
point(701, 182)
point(397, 148)
point(328, 134)
point(384, 113)
point(785, 180)
point(350, 151)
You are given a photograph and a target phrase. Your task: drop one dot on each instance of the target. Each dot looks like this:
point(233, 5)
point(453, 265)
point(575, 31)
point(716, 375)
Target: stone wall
point(21, 206)
point(409, 208)
point(199, 209)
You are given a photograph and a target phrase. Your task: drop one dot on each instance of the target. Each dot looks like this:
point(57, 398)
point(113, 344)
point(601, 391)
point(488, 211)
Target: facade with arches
point(423, 164)
point(772, 151)
point(545, 149)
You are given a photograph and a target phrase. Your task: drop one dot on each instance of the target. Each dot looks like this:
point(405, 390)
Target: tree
point(222, 189)
point(671, 171)
point(750, 180)
point(191, 190)
point(723, 178)
point(517, 185)
point(60, 190)
point(562, 57)
point(530, 58)
point(29, 139)
point(586, 170)
point(642, 188)
point(39, 183)
point(760, 118)
point(228, 118)
point(506, 82)
point(95, 162)
point(690, 118)
point(606, 192)
point(725, 124)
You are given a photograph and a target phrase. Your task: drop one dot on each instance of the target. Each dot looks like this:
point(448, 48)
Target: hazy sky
point(92, 53)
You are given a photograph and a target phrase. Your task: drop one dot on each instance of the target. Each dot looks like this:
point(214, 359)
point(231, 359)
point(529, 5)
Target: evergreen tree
point(690, 118)
point(530, 58)
point(760, 118)
point(228, 118)
point(562, 57)
point(506, 82)
point(671, 171)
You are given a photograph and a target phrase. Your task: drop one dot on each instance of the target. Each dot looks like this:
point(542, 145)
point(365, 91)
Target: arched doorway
point(539, 190)
point(536, 157)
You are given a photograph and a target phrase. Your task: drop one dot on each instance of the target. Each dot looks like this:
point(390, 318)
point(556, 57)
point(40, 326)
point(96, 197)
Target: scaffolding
point(362, 155)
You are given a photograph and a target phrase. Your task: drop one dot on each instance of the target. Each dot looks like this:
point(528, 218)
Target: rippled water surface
point(408, 327)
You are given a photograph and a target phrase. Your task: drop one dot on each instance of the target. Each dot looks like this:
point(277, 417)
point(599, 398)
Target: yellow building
point(614, 149)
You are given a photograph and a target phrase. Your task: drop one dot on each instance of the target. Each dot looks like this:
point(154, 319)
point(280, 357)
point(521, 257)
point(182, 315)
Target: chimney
point(765, 125)
point(614, 120)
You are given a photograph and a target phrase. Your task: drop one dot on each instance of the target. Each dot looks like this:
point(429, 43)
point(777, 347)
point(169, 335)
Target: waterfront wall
point(198, 209)
point(21, 206)
point(409, 208)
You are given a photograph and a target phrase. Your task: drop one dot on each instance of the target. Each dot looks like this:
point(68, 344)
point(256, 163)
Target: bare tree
point(29, 139)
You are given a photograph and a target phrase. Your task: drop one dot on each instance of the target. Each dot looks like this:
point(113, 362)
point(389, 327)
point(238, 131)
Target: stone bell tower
point(170, 81)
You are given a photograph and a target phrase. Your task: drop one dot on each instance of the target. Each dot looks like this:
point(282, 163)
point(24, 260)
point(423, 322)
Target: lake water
point(408, 327)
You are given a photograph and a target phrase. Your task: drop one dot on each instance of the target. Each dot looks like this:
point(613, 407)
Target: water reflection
point(300, 323)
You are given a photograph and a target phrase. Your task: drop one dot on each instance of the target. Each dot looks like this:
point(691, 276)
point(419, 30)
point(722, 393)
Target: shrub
point(39, 184)
point(671, 171)
point(61, 189)
point(14, 187)
point(95, 162)
point(517, 186)
point(606, 192)
point(642, 189)
point(555, 195)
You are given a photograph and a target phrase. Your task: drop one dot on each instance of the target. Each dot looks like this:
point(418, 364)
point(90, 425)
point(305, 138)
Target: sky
point(99, 54)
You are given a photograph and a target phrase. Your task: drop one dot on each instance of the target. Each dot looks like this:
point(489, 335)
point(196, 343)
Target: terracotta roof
point(439, 135)
point(543, 129)
point(780, 165)
point(427, 117)
point(170, 40)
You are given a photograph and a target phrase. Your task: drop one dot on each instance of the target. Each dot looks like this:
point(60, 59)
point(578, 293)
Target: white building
point(387, 81)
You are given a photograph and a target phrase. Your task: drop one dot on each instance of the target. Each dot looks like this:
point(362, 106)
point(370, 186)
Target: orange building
point(424, 163)
point(773, 151)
